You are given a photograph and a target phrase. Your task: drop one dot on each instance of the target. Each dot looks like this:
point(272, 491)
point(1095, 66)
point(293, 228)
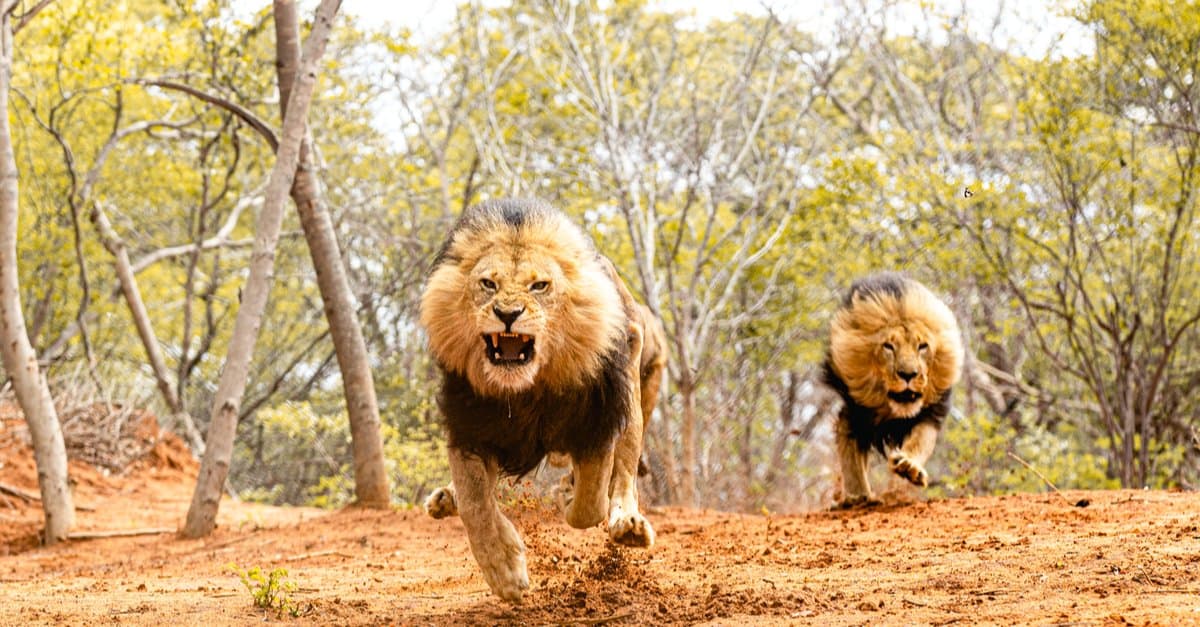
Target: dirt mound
point(112, 453)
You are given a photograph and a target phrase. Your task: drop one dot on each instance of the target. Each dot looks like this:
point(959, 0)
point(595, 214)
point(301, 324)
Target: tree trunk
point(20, 361)
point(370, 475)
point(214, 468)
point(687, 433)
point(141, 319)
point(787, 414)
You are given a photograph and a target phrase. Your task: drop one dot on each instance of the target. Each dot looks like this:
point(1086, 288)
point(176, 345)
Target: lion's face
point(513, 302)
point(903, 362)
point(521, 301)
point(897, 353)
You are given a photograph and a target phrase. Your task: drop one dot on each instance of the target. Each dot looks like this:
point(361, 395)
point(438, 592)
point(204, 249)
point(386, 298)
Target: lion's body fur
point(895, 354)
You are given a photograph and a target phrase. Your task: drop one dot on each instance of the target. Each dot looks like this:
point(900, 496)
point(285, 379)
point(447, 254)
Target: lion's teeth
point(522, 356)
point(497, 354)
point(495, 339)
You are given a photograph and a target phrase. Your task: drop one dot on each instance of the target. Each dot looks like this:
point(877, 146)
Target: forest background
point(741, 173)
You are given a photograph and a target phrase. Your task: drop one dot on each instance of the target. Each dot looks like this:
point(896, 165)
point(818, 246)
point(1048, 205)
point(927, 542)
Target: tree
point(214, 468)
point(370, 477)
point(20, 361)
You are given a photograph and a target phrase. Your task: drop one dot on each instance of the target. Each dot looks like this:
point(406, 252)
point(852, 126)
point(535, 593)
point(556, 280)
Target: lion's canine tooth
point(522, 357)
point(495, 339)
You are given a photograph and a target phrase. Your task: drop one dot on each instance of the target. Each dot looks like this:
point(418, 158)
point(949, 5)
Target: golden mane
point(874, 326)
point(577, 327)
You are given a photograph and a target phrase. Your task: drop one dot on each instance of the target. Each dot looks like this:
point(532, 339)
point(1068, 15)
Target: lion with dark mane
point(542, 350)
point(894, 354)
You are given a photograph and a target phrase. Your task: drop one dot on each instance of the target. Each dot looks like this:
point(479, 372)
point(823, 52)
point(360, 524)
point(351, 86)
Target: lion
point(895, 353)
point(542, 350)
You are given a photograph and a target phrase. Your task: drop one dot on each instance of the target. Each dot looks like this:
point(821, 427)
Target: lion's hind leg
point(494, 541)
point(627, 525)
point(442, 503)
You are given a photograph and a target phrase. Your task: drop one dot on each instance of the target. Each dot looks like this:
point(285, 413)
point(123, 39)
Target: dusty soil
point(1127, 558)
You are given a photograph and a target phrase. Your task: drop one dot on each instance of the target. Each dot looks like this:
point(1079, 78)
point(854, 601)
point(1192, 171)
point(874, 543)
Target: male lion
point(894, 354)
point(540, 345)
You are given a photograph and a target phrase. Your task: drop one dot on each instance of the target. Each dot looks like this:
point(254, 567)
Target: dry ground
point(1128, 558)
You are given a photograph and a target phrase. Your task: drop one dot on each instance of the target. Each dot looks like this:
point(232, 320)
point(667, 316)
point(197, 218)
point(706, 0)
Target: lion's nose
point(907, 376)
point(508, 316)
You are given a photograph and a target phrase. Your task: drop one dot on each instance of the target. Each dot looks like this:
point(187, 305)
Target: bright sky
point(1029, 26)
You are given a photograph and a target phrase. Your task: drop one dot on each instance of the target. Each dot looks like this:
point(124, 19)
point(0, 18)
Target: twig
point(120, 533)
point(296, 558)
point(19, 493)
point(606, 619)
point(1040, 476)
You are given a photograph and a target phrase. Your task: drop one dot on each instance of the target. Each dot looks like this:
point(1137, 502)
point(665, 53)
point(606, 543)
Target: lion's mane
point(577, 398)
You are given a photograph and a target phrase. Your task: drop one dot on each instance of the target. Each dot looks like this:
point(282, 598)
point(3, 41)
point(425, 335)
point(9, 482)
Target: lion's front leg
point(908, 461)
point(627, 525)
point(494, 541)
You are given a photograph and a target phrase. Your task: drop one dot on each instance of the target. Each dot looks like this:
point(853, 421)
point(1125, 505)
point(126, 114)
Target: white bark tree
point(214, 468)
point(20, 360)
point(370, 474)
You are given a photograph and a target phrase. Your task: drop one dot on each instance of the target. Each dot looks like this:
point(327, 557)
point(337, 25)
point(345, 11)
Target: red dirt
point(1129, 558)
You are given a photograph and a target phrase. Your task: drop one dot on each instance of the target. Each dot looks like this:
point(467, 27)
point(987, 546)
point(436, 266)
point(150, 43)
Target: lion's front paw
point(630, 528)
point(503, 565)
point(853, 502)
point(506, 575)
point(441, 503)
point(909, 469)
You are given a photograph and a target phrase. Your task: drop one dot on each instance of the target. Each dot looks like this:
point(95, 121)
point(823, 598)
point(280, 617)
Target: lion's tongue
point(511, 347)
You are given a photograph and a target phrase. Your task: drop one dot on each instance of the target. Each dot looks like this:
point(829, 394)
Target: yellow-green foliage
point(270, 590)
point(295, 454)
point(972, 457)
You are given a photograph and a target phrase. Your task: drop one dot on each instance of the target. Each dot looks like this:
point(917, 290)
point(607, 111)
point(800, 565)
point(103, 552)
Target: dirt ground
point(1127, 558)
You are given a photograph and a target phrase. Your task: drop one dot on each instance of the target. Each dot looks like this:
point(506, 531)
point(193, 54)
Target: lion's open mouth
point(509, 349)
point(904, 396)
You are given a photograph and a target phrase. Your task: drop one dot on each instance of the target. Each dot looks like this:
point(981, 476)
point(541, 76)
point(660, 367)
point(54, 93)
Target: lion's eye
point(539, 286)
point(488, 284)
point(887, 346)
point(923, 347)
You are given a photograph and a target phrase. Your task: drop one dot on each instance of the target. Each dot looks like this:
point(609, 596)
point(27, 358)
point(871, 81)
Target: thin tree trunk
point(370, 474)
point(20, 361)
point(214, 468)
point(141, 319)
point(787, 414)
point(687, 433)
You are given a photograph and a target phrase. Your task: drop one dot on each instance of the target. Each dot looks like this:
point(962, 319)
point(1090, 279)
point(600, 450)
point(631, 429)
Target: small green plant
point(270, 590)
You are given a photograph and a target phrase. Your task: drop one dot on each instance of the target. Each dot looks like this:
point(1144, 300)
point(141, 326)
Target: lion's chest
point(519, 431)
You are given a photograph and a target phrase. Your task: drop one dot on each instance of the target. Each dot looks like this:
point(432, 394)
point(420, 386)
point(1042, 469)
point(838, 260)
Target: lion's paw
point(630, 528)
point(441, 503)
point(503, 566)
point(854, 502)
point(909, 469)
